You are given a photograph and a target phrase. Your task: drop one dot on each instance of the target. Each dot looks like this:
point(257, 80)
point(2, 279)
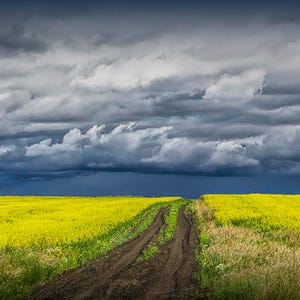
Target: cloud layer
point(85, 94)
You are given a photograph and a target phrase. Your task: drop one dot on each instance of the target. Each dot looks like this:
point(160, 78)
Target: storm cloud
point(165, 94)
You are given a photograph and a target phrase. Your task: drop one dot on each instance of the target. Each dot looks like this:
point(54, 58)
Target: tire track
point(83, 282)
point(118, 275)
point(176, 275)
point(169, 275)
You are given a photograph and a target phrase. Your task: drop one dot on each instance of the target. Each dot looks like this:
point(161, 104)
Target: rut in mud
point(118, 275)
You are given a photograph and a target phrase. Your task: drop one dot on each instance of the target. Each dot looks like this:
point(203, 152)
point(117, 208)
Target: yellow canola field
point(47, 221)
point(258, 211)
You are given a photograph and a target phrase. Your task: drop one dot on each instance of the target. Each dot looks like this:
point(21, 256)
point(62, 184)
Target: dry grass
point(242, 263)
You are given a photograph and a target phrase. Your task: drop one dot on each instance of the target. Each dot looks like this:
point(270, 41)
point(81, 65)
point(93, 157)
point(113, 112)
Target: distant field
point(40, 236)
point(250, 246)
point(56, 221)
point(265, 212)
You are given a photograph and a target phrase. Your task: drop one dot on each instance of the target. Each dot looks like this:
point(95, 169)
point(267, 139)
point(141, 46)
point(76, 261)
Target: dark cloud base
point(107, 183)
point(79, 6)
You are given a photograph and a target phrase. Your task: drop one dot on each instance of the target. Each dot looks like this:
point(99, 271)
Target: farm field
point(41, 236)
point(157, 264)
point(250, 246)
point(216, 247)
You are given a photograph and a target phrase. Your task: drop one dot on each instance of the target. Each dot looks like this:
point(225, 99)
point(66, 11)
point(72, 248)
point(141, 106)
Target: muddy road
point(119, 275)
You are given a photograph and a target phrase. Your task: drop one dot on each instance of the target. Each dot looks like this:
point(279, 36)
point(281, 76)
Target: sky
point(149, 97)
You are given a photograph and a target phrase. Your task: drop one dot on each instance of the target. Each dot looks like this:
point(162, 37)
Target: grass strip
point(166, 232)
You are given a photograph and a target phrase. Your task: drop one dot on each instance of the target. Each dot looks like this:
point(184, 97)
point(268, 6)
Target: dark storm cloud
point(15, 40)
point(80, 6)
point(87, 89)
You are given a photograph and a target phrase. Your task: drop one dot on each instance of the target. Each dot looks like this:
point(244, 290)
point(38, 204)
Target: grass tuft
point(166, 232)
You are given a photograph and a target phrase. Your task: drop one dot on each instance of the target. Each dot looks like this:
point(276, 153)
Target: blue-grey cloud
point(15, 40)
point(93, 93)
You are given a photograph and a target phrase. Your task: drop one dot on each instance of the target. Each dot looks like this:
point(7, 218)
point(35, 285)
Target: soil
point(118, 275)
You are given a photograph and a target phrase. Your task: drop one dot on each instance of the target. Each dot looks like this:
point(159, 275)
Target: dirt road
point(118, 275)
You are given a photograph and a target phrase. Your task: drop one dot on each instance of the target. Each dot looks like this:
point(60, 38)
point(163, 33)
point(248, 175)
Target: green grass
point(149, 252)
point(166, 232)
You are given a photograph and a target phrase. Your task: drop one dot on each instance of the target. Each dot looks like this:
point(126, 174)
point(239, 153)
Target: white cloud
point(238, 87)
point(123, 145)
point(231, 154)
point(128, 145)
point(6, 149)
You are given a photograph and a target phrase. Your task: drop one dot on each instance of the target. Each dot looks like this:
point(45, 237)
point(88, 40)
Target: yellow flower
point(55, 221)
point(258, 211)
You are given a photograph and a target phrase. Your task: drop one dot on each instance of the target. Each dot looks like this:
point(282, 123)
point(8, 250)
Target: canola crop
point(57, 221)
point(256, 211)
